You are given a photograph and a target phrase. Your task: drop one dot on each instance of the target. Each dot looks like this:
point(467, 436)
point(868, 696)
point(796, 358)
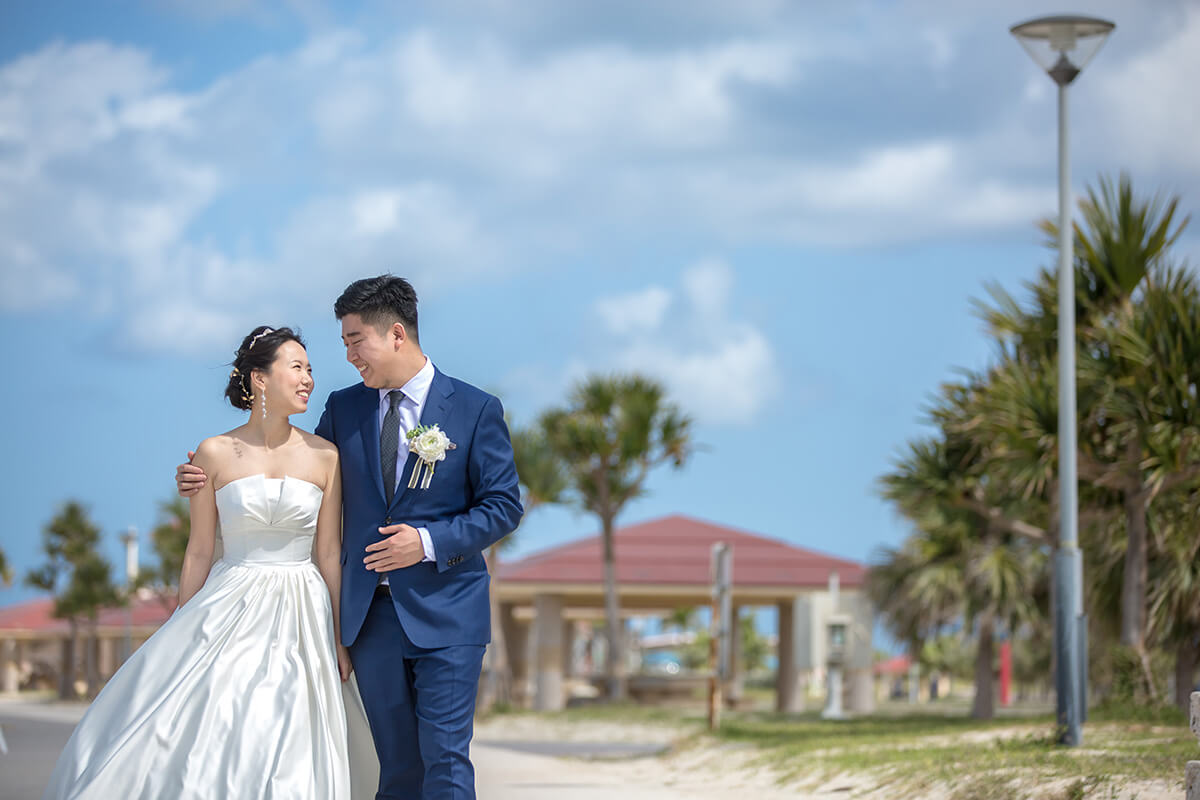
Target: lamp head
point(1062, 45)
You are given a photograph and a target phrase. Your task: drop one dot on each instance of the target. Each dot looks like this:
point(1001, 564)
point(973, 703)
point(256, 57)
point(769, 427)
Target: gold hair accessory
point(237, 373)
point(259, 336)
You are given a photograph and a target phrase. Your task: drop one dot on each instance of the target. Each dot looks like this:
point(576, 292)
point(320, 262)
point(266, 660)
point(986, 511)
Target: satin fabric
point(237, 695)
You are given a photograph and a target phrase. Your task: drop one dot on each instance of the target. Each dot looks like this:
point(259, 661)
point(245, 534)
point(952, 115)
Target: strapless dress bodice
point(268, 521)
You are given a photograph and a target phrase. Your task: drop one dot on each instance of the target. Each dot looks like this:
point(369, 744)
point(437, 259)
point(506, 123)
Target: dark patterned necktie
point(389, 442)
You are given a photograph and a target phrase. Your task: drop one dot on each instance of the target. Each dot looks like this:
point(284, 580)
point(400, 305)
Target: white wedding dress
point(237, 695)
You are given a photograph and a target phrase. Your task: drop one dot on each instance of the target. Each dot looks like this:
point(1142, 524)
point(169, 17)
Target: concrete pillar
point(516, 642)
point(789, 687)
point(10, 670)
point(862, 652)
point(862, 691)
point(548, 652)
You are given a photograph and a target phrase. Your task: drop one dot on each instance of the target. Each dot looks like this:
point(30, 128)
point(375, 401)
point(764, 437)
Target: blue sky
point(779, 209)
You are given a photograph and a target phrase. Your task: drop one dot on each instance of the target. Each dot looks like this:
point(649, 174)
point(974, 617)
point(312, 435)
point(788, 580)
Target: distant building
point(664, 564)
point(33, 643)
point(546, 599)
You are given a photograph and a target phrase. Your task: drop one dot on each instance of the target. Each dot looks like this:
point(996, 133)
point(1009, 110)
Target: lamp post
point(130, 539)
point(1062, 46)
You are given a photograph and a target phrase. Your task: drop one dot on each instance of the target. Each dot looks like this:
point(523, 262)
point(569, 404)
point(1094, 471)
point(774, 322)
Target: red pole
point(1006, 673)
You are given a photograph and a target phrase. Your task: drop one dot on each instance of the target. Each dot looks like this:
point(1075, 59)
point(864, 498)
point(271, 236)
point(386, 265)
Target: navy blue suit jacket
point(472, 502)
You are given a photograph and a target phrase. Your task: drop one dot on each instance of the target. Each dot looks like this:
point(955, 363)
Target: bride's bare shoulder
point(217, 450)
point(319, 443)
point(326, 454)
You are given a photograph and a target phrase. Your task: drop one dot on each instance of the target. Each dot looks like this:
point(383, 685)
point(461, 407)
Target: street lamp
point(1063, 46)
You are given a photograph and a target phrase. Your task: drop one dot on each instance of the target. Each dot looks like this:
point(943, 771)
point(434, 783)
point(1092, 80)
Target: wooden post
point(1192, 780)
point(719, 651)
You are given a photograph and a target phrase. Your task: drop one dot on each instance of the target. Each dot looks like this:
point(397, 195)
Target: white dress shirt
point(415, 393)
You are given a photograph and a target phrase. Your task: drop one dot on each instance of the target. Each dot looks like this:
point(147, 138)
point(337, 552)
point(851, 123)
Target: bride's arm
point(197, 559)
point(328, 553)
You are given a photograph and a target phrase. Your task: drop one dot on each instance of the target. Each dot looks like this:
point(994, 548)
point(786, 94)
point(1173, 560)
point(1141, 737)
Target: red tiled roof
point(678, 550)
point(36, 615)
point(896, 665)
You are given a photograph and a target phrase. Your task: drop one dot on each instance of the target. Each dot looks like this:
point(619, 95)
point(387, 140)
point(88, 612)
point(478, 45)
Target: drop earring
point(264, 397)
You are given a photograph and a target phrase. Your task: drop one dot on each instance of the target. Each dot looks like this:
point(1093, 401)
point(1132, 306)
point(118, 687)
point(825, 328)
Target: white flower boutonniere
point(430, 444)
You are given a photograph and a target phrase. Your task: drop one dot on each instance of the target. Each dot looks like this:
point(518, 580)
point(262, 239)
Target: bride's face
point(289, 381)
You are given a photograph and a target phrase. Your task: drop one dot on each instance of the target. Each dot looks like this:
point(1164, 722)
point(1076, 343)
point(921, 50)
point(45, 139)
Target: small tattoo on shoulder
point(237, 448)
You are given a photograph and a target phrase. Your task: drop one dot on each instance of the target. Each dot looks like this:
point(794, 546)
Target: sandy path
point(502, 774)
point(692, 771)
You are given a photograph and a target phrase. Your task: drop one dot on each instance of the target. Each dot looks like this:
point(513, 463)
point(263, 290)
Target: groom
point(414, 607)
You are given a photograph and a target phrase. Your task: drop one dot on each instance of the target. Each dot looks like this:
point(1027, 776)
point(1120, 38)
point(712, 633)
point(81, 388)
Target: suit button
point(387, 521)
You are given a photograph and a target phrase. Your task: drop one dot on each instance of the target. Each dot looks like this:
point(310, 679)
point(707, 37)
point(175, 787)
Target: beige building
point(33, 643)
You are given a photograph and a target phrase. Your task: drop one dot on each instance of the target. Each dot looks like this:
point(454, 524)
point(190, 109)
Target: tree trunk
point(66, 683)
point(614, 664)
point(1187, 658)
point(984, 706)
point(1133, 582)
point(91, 659)
point(497, 677)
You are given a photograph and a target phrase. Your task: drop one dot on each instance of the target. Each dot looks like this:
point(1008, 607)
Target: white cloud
point(729, 381)
point(458, 154)
point(718, 368)
point(27, 284)
point(709, 285)
point(424, 230)
point(641, 310)
point(1150, 100)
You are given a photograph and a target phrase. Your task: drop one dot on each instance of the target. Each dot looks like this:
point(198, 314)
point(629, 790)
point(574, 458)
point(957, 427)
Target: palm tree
point(1122, 246)
point(169, 539)
point(1146, 440)
point(612, 433)
point(918, 587)
point(1122, 238)
point(5, 570)
point(956, 566)
point(1174, 596)
point(81, 581)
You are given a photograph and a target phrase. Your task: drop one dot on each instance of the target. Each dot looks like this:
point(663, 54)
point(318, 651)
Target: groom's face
point(368, 350)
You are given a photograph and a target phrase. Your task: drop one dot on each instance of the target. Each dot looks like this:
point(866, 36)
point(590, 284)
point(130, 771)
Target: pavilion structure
point(664, 564)
point(33, 643)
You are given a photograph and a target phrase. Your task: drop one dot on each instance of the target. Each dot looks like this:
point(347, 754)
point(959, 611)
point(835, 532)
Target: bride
point(242, 693)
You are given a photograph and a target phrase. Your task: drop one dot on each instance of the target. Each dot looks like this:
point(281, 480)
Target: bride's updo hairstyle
point(256, 353)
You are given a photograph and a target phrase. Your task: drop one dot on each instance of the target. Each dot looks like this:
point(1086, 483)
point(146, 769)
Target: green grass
point(918, 751)
point(906, 753)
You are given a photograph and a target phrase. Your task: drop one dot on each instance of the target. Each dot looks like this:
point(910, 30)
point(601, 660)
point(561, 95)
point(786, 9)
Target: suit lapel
point(437, 407)
point(368, 411)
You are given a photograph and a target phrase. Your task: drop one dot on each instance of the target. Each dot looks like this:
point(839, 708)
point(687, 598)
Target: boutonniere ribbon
point(430, 444)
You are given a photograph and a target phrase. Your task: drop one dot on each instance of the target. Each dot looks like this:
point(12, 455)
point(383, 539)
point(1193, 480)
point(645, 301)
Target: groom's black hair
point(380, 302)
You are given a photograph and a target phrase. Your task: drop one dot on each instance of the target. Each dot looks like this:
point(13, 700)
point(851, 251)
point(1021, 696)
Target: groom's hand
point(400, 547)
point(189, 478)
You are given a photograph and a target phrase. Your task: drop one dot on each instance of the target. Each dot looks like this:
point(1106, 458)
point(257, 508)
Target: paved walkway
point(34, 736)
point(503, 774)
point(522, 770)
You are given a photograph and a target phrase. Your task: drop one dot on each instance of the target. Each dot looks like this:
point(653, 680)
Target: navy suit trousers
point(420, 703)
